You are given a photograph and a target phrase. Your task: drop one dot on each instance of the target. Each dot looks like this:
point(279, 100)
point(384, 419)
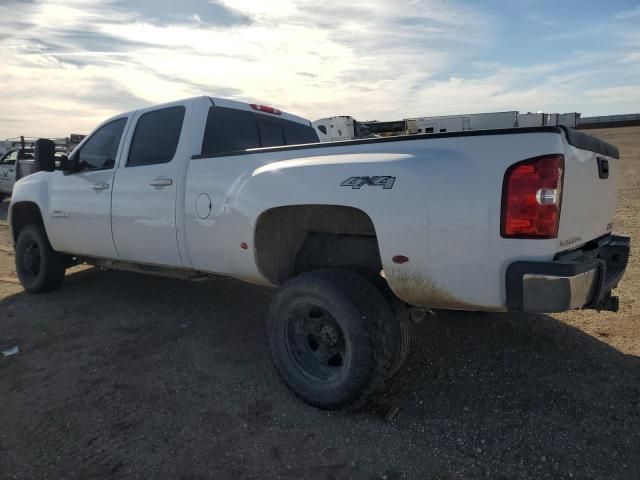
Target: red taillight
point(531, 196)
point(265, 109)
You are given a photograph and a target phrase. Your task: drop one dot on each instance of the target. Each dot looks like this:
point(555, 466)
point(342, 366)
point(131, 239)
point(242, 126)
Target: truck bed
point(575, 138)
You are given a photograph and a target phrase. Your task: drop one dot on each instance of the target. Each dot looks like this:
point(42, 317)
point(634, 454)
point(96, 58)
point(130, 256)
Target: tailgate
point(591, 177)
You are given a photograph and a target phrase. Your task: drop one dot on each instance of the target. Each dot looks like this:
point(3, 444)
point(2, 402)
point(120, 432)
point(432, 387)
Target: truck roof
point(252, 107)
point(226, 103)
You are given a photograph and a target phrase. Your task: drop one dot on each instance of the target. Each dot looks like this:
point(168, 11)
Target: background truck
point(17, 161)
point(355, 234)
point(14, 164)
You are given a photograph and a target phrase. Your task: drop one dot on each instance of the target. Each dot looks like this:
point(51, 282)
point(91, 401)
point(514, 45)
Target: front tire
point(39, 267)
point(329, 337)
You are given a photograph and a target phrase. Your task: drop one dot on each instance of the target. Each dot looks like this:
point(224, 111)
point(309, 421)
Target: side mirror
point(44, 155)
point(68, 164)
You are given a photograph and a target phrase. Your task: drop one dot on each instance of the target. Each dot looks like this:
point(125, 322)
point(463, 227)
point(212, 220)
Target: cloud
point(547, 22)
point(612, 95)
point(169, 12)
point(93, 41)
point(73, 63)
point(627, 14)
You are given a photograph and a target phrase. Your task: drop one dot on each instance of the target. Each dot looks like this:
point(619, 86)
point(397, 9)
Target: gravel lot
point(125, 376)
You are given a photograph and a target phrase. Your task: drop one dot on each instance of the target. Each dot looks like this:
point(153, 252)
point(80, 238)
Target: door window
point(99, 152)
point(156, 137)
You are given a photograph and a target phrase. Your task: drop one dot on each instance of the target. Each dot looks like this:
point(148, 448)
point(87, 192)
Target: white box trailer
point(472, 121)
point(569, 119)
point(440, 124)
point(551, 119)
point(485, 121)
point(530, 120)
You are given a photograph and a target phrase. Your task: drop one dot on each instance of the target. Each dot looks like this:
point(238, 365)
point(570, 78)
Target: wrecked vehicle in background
point(17, 160)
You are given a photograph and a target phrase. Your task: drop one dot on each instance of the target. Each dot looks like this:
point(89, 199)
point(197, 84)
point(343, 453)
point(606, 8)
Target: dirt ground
point(126, 376)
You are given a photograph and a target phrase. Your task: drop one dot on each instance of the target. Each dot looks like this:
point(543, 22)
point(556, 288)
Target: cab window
point(271, 135)
point(229, 130)
point(100, 150)
point(232, 130)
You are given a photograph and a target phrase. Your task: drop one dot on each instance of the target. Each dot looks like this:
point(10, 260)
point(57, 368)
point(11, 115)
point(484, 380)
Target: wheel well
point(293, 239)
point(23, 214)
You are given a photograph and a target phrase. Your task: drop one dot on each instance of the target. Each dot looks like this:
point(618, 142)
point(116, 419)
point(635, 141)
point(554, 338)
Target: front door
point(146, 187)
point(79, 216)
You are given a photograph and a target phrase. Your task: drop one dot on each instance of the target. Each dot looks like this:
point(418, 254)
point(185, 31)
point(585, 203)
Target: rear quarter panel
point(443, 212)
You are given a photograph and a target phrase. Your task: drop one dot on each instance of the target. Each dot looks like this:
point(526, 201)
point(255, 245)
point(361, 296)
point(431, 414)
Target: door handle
point(100, 186)
point(161, 182)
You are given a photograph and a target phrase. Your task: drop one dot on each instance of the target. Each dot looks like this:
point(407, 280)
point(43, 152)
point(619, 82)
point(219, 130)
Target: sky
point(69, 64)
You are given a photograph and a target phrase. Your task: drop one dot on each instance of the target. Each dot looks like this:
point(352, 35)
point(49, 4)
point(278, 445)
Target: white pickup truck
point(355, 234)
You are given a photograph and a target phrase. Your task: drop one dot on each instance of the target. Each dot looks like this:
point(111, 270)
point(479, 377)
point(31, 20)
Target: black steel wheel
point(31, 260)
point(316, 342)
point(39, 267)
point(329, 337)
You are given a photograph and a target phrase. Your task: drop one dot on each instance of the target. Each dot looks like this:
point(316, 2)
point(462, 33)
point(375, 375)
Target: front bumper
point(583, 278)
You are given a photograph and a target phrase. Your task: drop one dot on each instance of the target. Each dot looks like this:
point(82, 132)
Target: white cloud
point(79, 62)
point(626, 14)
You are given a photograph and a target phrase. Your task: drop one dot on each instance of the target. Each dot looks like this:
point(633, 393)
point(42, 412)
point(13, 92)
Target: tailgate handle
point(603, 168)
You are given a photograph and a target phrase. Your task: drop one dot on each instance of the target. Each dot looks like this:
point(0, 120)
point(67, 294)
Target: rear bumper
point(580, 279)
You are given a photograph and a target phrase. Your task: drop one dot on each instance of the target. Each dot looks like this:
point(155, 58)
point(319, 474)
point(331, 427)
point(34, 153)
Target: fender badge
point(355, 183)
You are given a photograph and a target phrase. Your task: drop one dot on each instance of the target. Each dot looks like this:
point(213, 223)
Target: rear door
point(146, 186)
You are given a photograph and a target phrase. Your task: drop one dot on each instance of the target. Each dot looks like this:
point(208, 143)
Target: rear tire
point(39, 267)
point(330, 339)
point(401, 325)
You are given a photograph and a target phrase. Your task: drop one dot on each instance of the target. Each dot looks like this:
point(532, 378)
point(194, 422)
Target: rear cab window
point(232, 130)
point(271, 134)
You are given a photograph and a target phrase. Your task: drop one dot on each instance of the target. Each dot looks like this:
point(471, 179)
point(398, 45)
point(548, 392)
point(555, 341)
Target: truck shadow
point(142, 363)
point(478, 366)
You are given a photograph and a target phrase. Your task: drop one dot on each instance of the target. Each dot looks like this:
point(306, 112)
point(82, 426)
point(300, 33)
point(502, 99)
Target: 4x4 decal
point(357, 182)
